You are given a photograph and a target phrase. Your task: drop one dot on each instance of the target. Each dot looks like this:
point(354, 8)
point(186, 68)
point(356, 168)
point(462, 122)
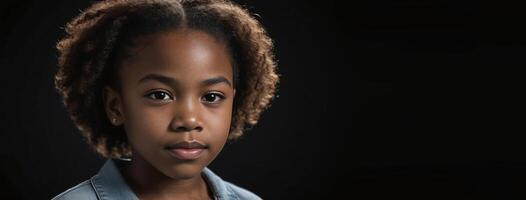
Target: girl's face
point(177, 87)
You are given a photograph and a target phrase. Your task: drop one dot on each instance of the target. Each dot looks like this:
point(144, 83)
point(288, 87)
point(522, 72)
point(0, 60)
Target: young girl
point(158, 87)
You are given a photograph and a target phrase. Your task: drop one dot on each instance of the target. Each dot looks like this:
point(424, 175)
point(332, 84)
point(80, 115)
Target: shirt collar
point(109, 184)
point(217, 185)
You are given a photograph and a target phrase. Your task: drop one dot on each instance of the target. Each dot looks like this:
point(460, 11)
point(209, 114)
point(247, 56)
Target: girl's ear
point(112, 105)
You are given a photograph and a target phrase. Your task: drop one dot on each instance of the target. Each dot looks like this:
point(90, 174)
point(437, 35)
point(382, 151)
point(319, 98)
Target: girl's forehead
point(177, 37)
point(189, 52)
point(180, 44)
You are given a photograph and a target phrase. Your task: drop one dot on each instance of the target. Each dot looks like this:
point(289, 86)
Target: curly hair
point(97, 39)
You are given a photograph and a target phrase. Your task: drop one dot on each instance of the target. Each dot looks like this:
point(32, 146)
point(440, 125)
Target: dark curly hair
point(98, 40)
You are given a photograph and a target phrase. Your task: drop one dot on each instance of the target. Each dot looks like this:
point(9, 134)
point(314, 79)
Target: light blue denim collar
point(109, 184)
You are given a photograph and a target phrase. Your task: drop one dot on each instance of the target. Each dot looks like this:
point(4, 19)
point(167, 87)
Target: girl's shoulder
point(227, 190)
point(83, 191)
point(241, 193)
point(107, 184)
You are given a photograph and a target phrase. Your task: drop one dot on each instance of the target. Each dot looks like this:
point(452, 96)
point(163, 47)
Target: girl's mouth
point(186, 154)
point(186, 150)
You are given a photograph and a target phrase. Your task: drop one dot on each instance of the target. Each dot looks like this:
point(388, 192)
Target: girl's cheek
point(155, 118)
point(220, 121)
point(148, 120)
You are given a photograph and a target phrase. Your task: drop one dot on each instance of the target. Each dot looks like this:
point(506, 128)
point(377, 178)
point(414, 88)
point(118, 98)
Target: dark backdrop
point(377, 99)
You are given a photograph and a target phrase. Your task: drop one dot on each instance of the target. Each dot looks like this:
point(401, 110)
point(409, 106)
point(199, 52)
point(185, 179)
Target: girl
point(158, 87)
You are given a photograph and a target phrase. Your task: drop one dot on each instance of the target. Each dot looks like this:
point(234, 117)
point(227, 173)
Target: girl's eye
point(159, 95)
point(213, 97)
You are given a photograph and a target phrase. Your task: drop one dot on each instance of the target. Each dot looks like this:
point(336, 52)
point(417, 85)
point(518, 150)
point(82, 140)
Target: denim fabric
point(108, 184)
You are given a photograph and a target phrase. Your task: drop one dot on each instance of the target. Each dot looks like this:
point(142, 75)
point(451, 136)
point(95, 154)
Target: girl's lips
point(186, 150)
point(186, 154)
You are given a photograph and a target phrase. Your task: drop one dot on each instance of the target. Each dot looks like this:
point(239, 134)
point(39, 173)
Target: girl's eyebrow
point(216, 80)
point(174, 82)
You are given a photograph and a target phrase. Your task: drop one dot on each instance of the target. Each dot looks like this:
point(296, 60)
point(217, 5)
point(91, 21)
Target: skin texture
point(182, 106)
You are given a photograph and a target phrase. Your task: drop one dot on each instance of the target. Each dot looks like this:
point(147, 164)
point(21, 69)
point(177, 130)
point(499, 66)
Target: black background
point(381, 98)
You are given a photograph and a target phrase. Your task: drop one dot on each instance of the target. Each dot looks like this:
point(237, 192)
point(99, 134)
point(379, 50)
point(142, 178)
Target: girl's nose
point(186, 118)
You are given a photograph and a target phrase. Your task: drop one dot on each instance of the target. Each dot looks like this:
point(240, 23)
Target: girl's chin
point(184, 170)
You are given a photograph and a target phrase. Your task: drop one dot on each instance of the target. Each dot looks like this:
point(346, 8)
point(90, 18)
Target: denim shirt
point(108, 184)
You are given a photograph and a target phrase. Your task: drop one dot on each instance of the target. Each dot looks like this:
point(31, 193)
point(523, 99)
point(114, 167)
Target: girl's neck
point(148, 183)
